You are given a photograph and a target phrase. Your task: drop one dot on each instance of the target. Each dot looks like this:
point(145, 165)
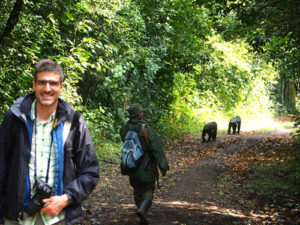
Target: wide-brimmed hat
point(134, 110)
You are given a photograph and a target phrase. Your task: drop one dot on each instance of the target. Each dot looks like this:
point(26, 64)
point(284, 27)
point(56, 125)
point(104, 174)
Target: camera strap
point(50, 150)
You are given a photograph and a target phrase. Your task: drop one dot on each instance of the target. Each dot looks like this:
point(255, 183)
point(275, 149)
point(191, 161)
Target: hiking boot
point(141, 213)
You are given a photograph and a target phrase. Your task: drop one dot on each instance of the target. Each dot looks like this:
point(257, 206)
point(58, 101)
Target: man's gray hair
point(47, 65)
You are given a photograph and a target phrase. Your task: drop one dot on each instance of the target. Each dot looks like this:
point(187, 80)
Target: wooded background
point(187, 62)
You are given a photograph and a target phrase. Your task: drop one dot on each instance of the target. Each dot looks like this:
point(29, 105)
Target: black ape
point(235, 122)
point(210, 129)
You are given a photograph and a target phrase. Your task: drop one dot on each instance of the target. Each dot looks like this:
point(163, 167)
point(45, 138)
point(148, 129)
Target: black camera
point(42, 191)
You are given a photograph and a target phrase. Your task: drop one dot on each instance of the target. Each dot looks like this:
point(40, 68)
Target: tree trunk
point(12, 20)
point(289, 95)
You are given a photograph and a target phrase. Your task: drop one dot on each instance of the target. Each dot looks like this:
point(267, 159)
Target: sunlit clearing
point(263, 124)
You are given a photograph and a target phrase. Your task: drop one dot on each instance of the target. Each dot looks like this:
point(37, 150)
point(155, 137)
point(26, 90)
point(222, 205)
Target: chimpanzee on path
point(235, 122)
point(210, 129)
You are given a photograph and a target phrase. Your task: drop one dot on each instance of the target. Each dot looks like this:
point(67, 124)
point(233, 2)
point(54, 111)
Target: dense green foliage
point(186, 62)
point(233, 82)
point(272, 29)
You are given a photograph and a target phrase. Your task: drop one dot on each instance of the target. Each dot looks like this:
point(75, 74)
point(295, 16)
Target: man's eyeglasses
point(43, 83)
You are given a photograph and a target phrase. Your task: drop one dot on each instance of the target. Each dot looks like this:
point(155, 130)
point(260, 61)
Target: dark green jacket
point(141, 173)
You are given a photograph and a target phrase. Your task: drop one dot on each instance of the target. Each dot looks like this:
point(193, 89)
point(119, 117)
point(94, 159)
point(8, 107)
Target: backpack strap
point(145, 135)
point(151, 157)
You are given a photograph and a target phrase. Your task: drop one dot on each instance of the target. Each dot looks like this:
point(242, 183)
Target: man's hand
point(164, 173)
point(55, 204)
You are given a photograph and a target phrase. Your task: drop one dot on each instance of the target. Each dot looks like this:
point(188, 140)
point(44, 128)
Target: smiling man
point(48, 86)
point(48, 164)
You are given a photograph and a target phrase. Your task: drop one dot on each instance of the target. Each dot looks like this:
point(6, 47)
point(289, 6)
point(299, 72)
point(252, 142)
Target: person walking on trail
point(48, 164)
point(143, 178)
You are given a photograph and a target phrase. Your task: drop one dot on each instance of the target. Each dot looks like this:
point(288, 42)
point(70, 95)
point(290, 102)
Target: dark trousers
point(142, 191)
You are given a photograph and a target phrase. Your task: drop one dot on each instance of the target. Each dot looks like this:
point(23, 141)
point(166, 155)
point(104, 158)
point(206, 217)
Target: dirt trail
point(191, 193)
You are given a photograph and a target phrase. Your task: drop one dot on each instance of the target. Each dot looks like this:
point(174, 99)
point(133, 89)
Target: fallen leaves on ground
point(112, 200)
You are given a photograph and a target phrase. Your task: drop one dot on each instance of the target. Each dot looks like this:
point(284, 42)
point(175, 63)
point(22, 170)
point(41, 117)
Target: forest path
point(197, 190)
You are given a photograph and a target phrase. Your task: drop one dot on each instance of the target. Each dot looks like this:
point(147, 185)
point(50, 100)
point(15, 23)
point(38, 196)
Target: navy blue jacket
point(77, 168)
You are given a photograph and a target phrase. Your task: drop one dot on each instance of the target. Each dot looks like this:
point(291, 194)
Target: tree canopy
point(184, 61)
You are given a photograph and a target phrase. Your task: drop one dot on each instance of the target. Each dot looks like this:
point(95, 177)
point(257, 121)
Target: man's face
point(47, 88)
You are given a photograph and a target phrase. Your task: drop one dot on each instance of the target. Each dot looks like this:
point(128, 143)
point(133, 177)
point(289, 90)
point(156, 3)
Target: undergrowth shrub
point(273, 180)
point(279, 180)
point(105, 135)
